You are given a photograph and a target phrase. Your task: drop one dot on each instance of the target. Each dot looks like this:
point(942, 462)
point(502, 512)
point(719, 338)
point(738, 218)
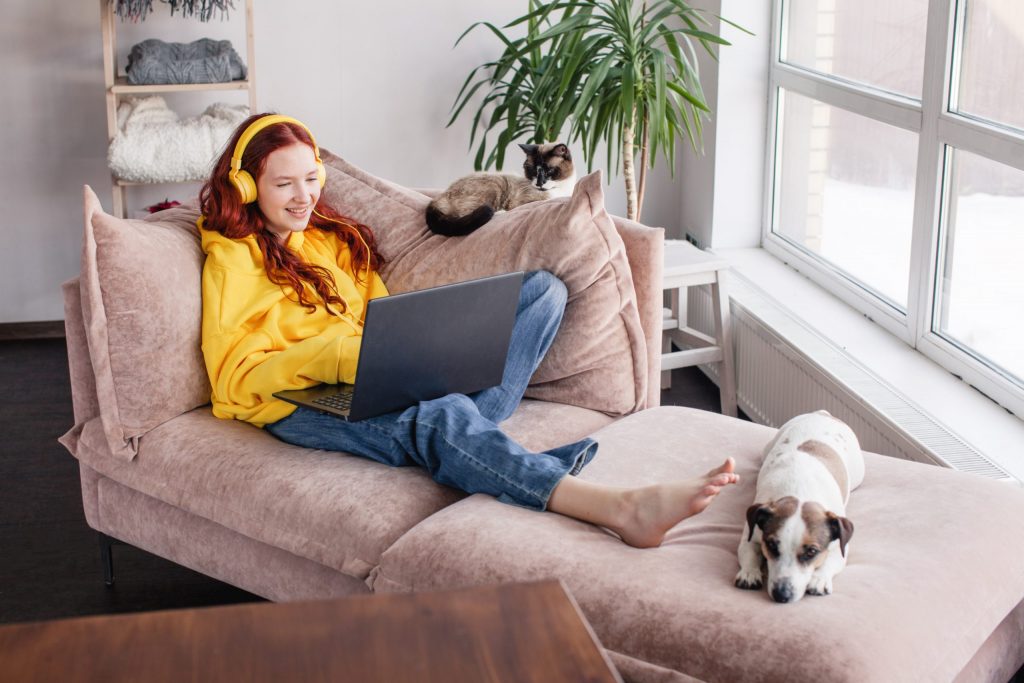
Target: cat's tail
point(441, 223)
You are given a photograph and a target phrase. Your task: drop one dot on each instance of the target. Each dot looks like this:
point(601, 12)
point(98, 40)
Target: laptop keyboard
point(341, 401)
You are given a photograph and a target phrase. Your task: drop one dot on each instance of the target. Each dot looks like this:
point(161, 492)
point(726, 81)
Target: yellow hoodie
point(258, 340)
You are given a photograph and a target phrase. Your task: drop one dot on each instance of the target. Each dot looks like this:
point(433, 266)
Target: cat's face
point(549, 167)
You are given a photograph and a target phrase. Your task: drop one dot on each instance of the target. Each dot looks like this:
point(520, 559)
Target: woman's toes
point(724, 479)
point(727, 467)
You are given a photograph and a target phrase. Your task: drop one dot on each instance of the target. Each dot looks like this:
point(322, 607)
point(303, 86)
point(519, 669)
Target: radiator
point(785, 368)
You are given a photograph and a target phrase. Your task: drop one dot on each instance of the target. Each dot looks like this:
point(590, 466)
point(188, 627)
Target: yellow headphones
point(243, 180)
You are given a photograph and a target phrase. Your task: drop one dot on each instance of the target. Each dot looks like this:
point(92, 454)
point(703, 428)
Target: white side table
point(686, 266)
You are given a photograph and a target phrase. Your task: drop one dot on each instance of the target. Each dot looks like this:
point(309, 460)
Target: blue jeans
point(456, 438)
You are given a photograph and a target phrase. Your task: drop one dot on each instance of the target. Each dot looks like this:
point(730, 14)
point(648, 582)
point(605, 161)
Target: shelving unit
point(117, 86)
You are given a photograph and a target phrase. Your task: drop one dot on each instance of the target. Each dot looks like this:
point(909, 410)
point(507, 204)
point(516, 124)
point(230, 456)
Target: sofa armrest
point(83, 381)
point(645, 251)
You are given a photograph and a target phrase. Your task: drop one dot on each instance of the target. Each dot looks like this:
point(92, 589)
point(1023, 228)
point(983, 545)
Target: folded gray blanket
point(154, 62)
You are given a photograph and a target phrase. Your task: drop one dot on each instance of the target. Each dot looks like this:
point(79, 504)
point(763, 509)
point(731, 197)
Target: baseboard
point(46, 329)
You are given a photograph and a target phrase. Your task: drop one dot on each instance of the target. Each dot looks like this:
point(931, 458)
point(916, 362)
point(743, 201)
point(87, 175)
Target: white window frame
point(937, 128)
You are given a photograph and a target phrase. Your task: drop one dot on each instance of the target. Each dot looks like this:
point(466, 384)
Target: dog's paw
point(819, 585)
point(749, 580)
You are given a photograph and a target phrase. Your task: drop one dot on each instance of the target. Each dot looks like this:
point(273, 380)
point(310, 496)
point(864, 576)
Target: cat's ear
point(562, 151)
point(528, 149)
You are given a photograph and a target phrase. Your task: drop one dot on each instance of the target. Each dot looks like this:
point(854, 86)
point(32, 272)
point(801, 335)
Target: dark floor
point(49, 558)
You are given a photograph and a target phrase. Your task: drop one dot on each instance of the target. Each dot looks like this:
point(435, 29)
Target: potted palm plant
point(617, 71)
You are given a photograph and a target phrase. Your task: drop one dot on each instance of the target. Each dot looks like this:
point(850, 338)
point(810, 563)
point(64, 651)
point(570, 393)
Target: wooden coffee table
point(513, 632)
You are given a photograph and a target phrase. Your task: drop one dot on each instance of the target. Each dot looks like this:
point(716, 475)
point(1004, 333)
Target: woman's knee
point(449, 408)
point(545, 285)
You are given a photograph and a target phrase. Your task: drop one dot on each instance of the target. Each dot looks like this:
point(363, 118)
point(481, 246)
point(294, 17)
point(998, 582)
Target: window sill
point(986, 426)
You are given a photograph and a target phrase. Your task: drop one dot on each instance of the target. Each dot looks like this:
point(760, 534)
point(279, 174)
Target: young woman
point(285, 287)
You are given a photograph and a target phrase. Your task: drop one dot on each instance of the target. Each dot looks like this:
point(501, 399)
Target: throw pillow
point(142, 307)
point(598, 360)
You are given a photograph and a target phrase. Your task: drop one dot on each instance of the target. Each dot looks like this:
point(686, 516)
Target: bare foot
point(653, 510)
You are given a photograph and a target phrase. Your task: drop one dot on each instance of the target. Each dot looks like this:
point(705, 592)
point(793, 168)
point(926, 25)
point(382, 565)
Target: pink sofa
point(932, 591)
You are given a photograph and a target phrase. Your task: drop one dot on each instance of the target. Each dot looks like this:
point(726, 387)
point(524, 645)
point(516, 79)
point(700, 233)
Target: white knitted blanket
point(154, 145)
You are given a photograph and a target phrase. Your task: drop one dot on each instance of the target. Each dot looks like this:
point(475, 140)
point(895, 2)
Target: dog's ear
point(841, 528)
point(757, 515)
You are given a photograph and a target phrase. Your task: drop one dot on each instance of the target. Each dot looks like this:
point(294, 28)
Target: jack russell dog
point(799, 525)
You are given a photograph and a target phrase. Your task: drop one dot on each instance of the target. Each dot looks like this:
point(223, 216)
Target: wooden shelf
point(117, 86)
point(123, 87)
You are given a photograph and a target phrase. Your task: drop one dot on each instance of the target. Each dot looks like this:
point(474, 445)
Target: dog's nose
point(782, 591)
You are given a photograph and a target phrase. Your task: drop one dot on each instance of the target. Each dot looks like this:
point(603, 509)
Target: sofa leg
point(107, 558)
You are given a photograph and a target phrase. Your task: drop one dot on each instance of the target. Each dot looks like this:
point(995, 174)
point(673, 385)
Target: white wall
point(374, 81)
point(722, 194)
point(53, 140)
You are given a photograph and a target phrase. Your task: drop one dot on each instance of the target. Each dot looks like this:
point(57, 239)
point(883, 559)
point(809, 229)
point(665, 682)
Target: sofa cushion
point(934, 564)
point(599, 358)
point(338, 510)
point(141, 300)
point(539, 425)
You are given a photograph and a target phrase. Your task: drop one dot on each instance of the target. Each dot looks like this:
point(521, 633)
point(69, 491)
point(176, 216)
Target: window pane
point(992, 61)
point(981, 302)
point(846, 192)
point(876, 42)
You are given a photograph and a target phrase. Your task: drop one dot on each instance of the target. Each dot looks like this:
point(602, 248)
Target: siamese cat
point(470, 201)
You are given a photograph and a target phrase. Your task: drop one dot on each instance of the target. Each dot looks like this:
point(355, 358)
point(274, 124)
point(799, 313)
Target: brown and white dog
point(797, 523)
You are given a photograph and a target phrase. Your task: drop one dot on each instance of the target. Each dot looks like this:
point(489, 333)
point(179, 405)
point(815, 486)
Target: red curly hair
point(224, 212)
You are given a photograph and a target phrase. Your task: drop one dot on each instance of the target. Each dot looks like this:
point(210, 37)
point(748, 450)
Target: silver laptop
point(422, 345)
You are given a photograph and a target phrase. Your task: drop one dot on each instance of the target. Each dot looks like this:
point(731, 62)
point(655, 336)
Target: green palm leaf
point(596, 66)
